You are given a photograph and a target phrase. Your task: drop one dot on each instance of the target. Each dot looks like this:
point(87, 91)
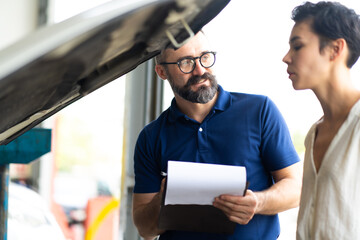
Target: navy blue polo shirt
point(241, 129)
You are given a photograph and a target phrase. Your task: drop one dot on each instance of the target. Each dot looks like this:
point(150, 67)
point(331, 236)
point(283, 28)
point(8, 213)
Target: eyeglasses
point(188, 64)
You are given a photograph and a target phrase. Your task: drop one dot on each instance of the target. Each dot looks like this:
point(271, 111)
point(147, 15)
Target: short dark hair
point(160, 57)
point(331, 21)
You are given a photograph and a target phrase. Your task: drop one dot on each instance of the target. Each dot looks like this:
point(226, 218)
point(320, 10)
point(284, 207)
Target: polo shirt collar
point(222, 103)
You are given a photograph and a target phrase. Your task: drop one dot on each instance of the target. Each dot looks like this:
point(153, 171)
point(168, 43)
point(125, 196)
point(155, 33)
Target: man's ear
point(160, 70)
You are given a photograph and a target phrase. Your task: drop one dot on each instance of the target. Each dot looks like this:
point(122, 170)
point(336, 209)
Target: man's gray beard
point(203, 95)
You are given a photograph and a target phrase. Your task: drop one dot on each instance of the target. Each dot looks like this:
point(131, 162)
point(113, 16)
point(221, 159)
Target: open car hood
point(59, 64)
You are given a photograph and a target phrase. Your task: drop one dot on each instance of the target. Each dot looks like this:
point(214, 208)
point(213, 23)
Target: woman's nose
point(286, 59)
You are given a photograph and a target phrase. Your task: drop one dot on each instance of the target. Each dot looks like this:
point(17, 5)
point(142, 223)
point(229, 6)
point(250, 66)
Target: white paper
point(200, 183)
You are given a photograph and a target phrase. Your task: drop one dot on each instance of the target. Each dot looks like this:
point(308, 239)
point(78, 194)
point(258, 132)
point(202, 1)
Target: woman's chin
point(297, 87)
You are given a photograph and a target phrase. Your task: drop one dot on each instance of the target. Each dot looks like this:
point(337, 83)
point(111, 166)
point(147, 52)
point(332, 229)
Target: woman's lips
point(290, 74)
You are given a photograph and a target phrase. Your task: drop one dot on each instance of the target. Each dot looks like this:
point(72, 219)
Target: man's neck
point(196, 111)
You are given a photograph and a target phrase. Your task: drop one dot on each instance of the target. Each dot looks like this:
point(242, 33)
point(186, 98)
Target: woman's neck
point(337, 97)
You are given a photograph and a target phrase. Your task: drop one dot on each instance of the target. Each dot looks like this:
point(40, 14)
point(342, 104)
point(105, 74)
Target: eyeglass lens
point(187, 65)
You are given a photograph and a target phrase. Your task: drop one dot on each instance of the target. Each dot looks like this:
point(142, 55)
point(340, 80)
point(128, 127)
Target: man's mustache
point(196, 79)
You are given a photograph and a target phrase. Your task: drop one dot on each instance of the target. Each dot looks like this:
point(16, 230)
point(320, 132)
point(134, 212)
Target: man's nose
point(199, 69)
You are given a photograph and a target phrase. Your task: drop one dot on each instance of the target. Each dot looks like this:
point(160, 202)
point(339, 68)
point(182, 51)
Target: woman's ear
point(160, 70)
point(338, 48)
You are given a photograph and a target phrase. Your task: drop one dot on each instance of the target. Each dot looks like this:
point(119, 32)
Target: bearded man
point(207, 124)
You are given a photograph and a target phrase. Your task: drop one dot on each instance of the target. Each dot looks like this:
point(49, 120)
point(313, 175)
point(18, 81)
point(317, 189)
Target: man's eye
point(186, 62)
point(205, 57)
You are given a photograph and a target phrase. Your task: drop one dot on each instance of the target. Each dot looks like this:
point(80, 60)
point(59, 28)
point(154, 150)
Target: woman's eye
point(297, 47)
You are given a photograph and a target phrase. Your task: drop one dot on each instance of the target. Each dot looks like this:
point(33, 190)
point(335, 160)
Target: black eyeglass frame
point(193, 59)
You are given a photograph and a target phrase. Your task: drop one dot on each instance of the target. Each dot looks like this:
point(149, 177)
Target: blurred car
point(29, 217)
point(72, 193)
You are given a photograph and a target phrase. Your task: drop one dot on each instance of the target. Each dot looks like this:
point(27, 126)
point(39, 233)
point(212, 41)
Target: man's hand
point(281, 196)
point(239, 209)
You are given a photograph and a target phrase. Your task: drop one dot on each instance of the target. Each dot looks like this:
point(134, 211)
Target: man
point(207, 124)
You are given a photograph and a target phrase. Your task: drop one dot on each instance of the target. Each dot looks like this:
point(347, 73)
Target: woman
point(324, 45)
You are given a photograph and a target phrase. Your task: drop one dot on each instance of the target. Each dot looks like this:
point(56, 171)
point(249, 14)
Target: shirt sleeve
point(147, 170)
point(277, 149)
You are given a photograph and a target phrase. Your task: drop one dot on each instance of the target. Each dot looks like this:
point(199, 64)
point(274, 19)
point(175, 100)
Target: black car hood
point(59, 64)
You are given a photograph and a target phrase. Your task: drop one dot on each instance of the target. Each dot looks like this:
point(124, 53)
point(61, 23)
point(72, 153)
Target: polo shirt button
point(200, 129)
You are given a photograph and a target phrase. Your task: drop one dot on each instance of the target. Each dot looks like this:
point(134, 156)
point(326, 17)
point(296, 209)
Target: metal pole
point(4, 190)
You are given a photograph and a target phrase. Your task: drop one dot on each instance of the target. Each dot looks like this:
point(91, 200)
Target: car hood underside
point(59, 64)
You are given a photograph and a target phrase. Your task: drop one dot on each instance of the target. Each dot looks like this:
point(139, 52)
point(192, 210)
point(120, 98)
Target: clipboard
point(194, 217)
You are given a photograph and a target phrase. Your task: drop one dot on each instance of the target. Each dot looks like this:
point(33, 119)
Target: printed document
point(200, 183)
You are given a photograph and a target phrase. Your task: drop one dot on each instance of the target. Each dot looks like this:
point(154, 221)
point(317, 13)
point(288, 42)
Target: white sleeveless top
point(330, 199)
